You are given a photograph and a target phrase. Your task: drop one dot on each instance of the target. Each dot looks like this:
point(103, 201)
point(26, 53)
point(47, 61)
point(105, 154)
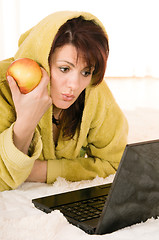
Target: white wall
point(132, 26)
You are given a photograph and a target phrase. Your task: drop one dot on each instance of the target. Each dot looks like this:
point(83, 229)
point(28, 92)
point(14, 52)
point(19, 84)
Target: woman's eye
point(64, 69)
point(86, 73)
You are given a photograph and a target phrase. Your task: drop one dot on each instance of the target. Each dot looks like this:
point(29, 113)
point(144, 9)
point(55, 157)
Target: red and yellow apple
point(26, 72)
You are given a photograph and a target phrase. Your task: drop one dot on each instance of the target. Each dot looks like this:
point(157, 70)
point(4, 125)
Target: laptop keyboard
point(84, 210)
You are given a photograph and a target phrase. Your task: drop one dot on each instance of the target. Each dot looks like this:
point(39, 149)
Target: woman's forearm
point(22, 135)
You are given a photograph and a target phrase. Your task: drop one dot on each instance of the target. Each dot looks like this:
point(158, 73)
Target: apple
point(26, 72)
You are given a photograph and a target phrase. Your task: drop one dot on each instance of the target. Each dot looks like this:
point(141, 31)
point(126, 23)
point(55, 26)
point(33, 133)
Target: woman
point(70, 124)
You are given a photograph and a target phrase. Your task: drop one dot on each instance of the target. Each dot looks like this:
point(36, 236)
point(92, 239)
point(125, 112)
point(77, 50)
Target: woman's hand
point(29, 108)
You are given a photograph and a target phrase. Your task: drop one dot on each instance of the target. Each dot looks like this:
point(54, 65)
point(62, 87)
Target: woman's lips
point(67, 97)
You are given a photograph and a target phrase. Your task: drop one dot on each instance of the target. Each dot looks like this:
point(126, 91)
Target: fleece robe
point(95, 149)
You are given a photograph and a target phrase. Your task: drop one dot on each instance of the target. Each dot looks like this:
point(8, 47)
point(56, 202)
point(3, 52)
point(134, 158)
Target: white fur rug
point(19, 220)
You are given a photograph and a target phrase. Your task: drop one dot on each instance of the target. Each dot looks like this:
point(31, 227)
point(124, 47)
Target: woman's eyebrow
point(89, 67)
point(67, 62)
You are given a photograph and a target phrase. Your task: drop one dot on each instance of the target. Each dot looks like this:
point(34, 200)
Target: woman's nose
point(73, 81)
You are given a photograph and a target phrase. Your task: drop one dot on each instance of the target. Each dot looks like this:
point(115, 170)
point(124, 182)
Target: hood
point(36, 43)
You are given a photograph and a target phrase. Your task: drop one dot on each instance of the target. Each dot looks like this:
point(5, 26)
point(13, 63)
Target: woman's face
point(70, 75)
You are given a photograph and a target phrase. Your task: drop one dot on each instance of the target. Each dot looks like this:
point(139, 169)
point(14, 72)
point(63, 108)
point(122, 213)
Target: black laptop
point(133, 196)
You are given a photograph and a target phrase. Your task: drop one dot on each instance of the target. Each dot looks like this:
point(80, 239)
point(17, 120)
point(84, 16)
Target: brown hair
point(90, 40)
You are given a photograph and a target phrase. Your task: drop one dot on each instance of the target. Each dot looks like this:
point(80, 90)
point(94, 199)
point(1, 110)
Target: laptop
point(133, 197)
